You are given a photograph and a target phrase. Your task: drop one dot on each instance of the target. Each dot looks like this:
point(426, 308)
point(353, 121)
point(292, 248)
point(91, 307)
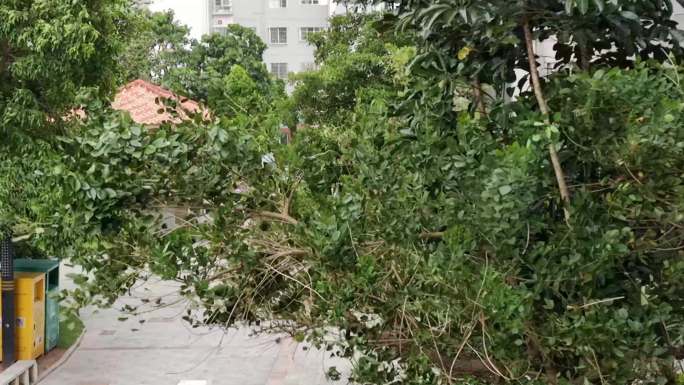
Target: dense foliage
point(353, 58)
point(206, 62)
point(155, 46)
point(160, 50)
point(49, 50)
point(454, 256)
point(417, 228)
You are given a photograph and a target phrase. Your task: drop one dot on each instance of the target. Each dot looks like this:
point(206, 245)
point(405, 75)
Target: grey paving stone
point(165, 351)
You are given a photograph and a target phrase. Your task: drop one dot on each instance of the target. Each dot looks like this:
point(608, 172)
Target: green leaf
point(548, 304)
point(583, 6)
point(678, 35)
point(505, 190)
point(630, 15)
point(600, 5)
point(569, 5)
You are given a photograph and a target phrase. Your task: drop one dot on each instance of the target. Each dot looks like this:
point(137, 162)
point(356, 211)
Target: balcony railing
point(223, 11)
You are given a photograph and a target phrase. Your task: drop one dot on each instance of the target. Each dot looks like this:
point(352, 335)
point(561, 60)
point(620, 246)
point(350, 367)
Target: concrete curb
point(64, 357)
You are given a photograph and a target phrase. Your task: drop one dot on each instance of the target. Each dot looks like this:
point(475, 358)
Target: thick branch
point(278, 217)
point(585, 56)
point(544, 108)
point(290, 253)
point(534, 71)
point(288, 198)
point(432, 236)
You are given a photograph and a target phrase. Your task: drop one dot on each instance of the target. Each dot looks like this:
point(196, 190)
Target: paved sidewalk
point(164, 350)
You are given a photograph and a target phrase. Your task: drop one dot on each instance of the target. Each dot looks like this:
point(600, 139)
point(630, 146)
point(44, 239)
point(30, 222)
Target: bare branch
point(277, 217)
point(544, 108)
point(431, 236)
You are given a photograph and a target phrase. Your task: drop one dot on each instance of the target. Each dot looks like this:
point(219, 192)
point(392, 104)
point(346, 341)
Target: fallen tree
point(427, 228)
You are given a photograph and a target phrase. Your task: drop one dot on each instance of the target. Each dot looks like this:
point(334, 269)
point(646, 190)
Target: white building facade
point(678, 14)
point(342, 7)
point(281, 24)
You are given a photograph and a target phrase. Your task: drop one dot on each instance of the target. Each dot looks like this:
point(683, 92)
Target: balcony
point(223, 7)
point(223, 11)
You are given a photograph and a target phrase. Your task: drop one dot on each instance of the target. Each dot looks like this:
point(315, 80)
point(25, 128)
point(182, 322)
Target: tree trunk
point(584, 56)
point(544, 108)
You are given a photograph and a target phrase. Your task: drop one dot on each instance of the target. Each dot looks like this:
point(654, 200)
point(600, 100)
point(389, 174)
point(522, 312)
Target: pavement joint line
point(159, 354)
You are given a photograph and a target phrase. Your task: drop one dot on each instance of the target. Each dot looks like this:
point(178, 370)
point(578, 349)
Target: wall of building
point(342, 7)
point(259, 15)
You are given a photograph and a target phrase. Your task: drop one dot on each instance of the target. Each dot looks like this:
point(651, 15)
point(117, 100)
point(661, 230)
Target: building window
point(221, 30)
point(278, 35)
point(277, 3)
point(279, 70)
point(311, 2)
point(224, 5)
point(309, 66)
point(305, 31)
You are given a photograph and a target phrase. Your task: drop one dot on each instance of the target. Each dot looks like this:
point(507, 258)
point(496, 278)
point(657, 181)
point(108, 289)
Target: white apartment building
point(282, 24)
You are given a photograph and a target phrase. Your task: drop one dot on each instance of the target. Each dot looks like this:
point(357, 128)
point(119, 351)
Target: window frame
point(279, 42)
point(302, 36)
point(279, 74)
point(309, 66)
point(224, 4)
point(278, 4)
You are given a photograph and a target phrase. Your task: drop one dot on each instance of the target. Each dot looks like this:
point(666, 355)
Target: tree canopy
point(49, 50)
point(156, 45)
point(205, 62)
point(352, 58)
point(161, 51)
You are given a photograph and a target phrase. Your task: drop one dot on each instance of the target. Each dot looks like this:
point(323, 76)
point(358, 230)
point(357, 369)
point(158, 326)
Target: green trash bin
point(51, 269)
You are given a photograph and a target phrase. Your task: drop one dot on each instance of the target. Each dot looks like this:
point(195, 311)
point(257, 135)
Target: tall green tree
point(212, 58)
point(157, 45)
point(51, 49)
point(353, 59)
point(49, 52)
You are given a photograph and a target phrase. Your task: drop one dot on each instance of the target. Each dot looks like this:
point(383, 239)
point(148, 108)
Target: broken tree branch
point(288, 198)
point(544, 108)
point(277, 217)
point(433, 236)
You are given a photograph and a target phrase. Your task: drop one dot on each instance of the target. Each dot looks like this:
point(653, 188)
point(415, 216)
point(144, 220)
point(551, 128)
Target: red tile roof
point(143, 100)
